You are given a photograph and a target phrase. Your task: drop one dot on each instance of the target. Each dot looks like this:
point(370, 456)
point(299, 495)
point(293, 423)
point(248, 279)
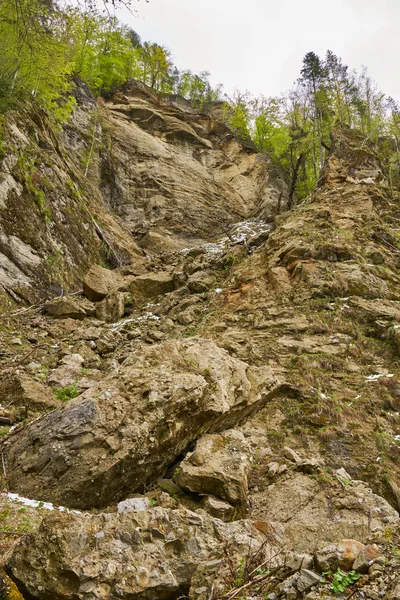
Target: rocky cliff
point(133, 174)
point(218, 416)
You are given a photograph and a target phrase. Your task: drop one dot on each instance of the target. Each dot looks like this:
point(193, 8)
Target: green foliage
point(102, 50)
point(238, 114)
point(294, 130)
point(343, 580)
point(34, 60)
point(67, 392)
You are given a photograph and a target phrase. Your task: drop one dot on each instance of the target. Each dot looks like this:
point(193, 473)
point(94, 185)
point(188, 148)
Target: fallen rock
point(296, 562)
point(112, 308)
point(91, 360)
point(147, 554)
point(69, 370)
point(218, 508)
point(317, 516)
point(8, 589)
point(306, 580)
point(292, 455)
point(200, 282)
point(20, 390)
point(64, 308)
point(218, 467)
point(134, 504)
point(123, 432)
point(366, 557)
point(340, 555)
point(151, 285)
point(99, 282)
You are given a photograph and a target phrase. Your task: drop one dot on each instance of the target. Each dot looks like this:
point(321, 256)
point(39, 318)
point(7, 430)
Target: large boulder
point(140, 555)
point(315, 516)
point(151, 285)
point(218, 466)
point(64, 308)
point(99, 282)
point(20, 390)
point(112, 308)
point(126, 430)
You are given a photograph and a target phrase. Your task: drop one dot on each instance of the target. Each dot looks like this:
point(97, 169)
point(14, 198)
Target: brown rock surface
point(126, 430)
point(64, 308)
point(20, 390)
point(150, 554)
point(151, 285)
point(99, 282)
point(112, 308)
point(218, 466)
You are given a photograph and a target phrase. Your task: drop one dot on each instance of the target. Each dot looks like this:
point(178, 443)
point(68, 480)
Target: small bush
point(342, 580)
point(67, 393)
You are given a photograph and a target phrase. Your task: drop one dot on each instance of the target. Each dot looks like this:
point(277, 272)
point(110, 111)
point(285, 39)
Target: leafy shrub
point(67, 393)
point(342, 580)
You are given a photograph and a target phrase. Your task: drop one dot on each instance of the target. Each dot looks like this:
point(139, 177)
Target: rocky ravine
point(216, 419)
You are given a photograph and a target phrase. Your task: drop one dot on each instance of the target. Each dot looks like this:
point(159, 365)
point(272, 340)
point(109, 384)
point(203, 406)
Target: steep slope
point(175, 175)
point(136, 164)
point(251, 378)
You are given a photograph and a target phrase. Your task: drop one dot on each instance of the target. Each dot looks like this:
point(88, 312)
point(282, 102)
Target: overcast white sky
point(258, 45)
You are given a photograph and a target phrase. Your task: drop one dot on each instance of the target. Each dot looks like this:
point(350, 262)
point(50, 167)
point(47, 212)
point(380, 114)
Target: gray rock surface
point(127, 429)
point(112, 308)
point(99, 282)
point(147, 554)
point(218, 466)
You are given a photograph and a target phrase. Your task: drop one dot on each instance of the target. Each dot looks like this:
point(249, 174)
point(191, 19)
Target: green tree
point(35, 55)
point(102, 51)
point(238, 114)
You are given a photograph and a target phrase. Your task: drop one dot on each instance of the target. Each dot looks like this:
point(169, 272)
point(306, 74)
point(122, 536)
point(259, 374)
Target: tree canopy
point(47, 43)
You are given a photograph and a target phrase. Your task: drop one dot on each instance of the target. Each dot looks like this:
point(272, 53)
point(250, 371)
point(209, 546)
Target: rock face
point(20, 390)
point(126, 430)
point(49, 212)
point(218, 466)
point(99, 282)
point(147, 554)
point(191, 175)
point(184, 422)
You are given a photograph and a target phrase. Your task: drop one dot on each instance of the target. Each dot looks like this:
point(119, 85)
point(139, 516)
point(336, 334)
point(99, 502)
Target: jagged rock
point(112, 308)
point(106, 344)
point(157, 242)
point(99, 282)
point(200, 282)
point(218, 508)
point(20, 390)
point(292, 455)
point(365, 558)
point(126, 430)
point(133, 505)
point(90, 358)
point(150, 286)
point(8, 589)
point(64, 308)
point(340, 555)
point(142, 554)
point(316, 516)
point(306, 580)
point(218, 467)
point(69, 370)
point(295, 562)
